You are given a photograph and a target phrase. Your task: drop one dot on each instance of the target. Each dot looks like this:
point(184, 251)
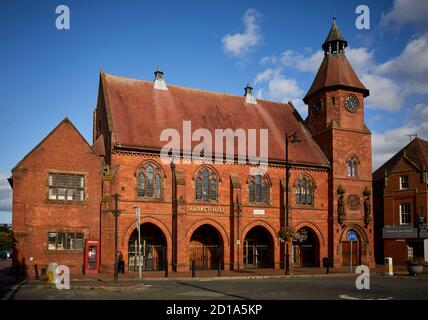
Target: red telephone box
point(92, 249)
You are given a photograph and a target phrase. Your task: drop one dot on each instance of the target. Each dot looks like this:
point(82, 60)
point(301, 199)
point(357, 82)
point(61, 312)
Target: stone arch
point(213, 224)
point(361, 252)
point(132, 226)
point(209, 167)
point(360, 231)
point(152, 162)
point(260, 223)
point(259, 245)
point(310, 250)
point(208, 250)
point(314, 228)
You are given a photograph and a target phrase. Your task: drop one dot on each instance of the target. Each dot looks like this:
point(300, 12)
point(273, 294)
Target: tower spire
point(335, 43)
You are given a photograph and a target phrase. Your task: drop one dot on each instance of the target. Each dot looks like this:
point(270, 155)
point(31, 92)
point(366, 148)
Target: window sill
point(146, 199)
point(77, 251)
point(68, 202)
point(259, 204)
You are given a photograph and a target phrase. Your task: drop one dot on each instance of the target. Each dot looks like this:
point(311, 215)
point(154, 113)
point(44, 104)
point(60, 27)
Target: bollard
point(219, 269)
point(166, 268)
point(193, 269)
point(36, 271)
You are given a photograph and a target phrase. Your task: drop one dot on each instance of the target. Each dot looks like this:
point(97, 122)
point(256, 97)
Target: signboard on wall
point(403, 232)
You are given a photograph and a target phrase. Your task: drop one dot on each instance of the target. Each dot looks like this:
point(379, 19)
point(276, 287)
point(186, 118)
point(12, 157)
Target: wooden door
point(346, 253)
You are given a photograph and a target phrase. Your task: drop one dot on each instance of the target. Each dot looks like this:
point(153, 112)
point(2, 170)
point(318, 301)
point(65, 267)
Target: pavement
point(305, 284)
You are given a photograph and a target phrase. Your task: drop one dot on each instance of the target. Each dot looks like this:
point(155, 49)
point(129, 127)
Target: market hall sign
point(199, 209)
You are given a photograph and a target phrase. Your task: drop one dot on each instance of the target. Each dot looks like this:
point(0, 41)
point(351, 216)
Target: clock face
point(317, 107)
point(351, 103)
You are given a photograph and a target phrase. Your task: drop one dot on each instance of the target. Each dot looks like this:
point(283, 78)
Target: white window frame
point(407, 213)
point(401, 182)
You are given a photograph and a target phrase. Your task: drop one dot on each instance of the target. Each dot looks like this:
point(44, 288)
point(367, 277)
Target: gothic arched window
point(206, 185)
point(258, 188)
point(149, 180)
point(304, 191)
point(352, 166)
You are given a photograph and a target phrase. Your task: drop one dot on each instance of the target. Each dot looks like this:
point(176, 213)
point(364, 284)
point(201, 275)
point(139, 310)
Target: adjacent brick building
point(210, 213)
point(400, 196)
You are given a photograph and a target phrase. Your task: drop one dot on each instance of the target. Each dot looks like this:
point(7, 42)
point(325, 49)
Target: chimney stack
point(249, 97)
point(159, 82)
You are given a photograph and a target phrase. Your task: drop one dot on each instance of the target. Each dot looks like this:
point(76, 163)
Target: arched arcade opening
point(153, 248)
point(258, 249)
point(206, 249)
point(306, 248)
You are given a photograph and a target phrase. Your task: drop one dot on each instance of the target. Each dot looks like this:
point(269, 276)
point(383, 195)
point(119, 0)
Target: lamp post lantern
point(294, 139)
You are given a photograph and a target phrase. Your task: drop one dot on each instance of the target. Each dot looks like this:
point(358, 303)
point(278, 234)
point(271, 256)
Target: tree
point(5, 236)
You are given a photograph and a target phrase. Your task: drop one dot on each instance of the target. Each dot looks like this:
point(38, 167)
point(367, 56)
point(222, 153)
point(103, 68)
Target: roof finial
point(335, 39)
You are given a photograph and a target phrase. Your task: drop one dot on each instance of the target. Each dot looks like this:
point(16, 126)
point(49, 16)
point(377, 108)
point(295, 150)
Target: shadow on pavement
point(212, 290)
point(9, 284)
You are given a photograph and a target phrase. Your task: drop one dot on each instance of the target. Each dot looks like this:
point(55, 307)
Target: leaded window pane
point(213, 189)
point(251, 191)
point(68, 187)
point(78, 244)
point(198, 188)
point(264, 191)
point(206, 185)
point(141, 185)
point(52, 241)
point(60, 244)
point(157, 186)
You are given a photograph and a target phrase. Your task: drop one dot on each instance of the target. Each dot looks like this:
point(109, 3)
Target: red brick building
point(400, 189)
point(212, 214)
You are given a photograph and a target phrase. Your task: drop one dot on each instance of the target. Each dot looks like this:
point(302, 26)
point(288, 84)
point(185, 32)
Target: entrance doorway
point(152, 246)
point(346, 251)
point(258, 249)
point(306, 249)
point(206, 248)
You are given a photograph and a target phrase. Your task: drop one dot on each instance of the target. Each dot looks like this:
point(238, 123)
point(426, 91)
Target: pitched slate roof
point(336, 72)
point(416, 151)
point(139, 113)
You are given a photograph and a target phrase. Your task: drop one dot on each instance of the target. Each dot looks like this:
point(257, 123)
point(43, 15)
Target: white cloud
point(265, 75)
point(361, 59)
point(404, 11)
point(384, 93)
point(277, 86)
point(411, 66)
point(5, 195)
point(283, 89)
point(268, 60)
point(239, 44)
point(307, 63)
point(386, 144)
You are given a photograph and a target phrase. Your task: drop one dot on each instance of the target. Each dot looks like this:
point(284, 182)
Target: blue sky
point(48, 74)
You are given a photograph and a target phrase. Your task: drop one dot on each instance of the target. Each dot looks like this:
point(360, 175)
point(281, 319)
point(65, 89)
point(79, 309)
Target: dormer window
point(404, 182)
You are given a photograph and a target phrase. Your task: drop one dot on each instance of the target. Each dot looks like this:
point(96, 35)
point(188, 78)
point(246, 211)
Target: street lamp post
point(294, 139)
point(419, 223)
point(174, 216)
point(116, 216)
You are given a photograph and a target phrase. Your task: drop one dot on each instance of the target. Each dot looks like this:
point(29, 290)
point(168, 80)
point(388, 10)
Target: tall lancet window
point(352, 166)
point(304, 191)
point(206, 185)
point(258, 188)
point(149, 181)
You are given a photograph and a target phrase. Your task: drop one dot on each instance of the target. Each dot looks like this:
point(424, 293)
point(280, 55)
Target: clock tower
point(336, 122)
